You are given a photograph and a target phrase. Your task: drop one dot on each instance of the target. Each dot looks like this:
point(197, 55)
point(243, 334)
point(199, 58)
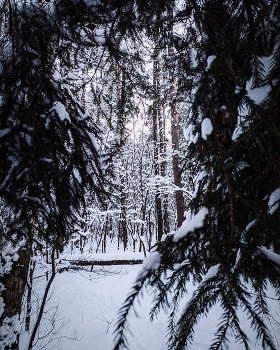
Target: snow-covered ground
point(85, 305)
point(88, 303)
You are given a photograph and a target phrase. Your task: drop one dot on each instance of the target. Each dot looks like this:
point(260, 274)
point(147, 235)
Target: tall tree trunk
point(156, 112)
point(175, 126)
point(176, 163)
point(13, 285)
point(120, 79)
point(163, 165)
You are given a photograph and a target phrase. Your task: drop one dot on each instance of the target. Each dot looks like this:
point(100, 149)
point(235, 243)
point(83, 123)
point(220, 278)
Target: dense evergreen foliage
point(52, 146)
point(228, 71)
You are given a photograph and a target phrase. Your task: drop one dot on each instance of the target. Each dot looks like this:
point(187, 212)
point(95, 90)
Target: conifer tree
point(49, 150)
point(49, 143)
point(229, 243)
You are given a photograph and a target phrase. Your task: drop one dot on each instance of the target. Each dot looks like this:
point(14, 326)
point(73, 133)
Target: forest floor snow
point(82, 309)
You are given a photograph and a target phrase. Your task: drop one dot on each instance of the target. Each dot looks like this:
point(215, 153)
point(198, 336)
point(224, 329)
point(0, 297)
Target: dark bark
point(156, 112)
point(123, 222)
point(175, 128)
point(176, 164)
point(163, 166)
point(14, 284)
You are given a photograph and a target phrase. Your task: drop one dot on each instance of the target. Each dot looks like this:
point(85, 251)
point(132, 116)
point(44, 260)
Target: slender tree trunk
point(175, 127)
point(176, 163)
point(43, 304)
point(163, 165)
point(144, 212)
point(123, 223)
point(156, 112)
point(29, 295)
point(123, 233)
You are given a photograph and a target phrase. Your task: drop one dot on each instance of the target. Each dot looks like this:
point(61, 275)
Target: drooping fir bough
point(49, 143)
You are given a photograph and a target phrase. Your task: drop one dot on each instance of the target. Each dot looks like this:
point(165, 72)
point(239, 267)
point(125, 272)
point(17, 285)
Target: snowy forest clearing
point(85, 305)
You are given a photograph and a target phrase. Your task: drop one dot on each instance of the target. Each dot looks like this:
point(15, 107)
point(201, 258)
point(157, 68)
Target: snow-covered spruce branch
point(150, 264)
point(204, 297)
point(121, 324)
point(257, 322)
